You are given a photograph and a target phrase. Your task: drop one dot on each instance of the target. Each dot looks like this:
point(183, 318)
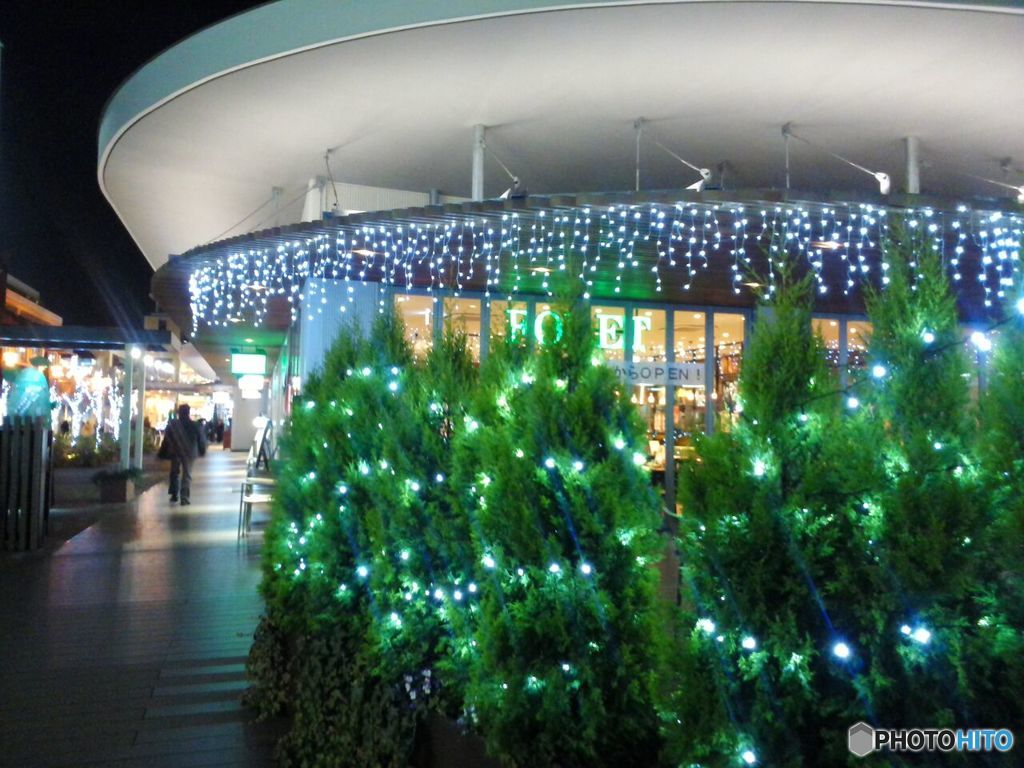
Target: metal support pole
point(638, 126)
point(844, 353)
point(485, 328)
point(140, 414)
point(125, 432)
point(478, 162)
point(670, 415)
point(913, 147)
point(709, 372)
point(785, 141)
point(276, 193)
point(627, 333)
point(531, 323)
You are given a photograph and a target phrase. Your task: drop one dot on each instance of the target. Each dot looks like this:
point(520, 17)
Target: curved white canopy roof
point(197, 139)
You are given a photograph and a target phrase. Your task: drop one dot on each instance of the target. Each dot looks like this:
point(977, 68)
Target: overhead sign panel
point(243, 363)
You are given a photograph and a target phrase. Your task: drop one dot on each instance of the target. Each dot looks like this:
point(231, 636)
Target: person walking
point(185, 442)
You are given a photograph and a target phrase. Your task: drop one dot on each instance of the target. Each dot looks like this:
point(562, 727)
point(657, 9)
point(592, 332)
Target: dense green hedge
point(480, 544)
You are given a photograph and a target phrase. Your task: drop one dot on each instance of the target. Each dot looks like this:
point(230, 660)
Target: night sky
point(61, 62)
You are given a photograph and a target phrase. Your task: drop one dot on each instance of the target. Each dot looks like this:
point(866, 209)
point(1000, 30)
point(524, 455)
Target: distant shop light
point(250, 382)
point(249, 363)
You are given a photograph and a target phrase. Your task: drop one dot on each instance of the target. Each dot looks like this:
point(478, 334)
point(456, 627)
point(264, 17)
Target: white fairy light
point(841, 651)
point(981, 342)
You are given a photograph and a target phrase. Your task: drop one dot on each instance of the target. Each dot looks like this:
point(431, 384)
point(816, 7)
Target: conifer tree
point(839, 563)
point(359, 534)
point(564, 522)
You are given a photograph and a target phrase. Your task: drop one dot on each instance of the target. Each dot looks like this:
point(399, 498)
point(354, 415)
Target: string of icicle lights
point(661, 243)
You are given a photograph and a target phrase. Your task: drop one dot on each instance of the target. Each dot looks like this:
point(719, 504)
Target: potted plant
point(117, 485)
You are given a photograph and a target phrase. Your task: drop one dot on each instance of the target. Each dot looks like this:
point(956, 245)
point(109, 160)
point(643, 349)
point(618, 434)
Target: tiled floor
point(126, 646)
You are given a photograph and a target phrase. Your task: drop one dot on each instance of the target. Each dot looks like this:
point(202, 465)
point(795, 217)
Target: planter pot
point(116, 490)
point(443, 743)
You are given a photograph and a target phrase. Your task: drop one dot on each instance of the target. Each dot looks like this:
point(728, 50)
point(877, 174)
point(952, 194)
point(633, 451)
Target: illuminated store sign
point(610, 331)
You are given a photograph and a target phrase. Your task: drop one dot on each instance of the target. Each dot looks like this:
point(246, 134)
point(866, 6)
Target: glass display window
point(828, 331)
point(688, 415)
point(610, 328)
point(650, 404)
point(730, 330)
point(649, 335)
point(417, 314)
point(508, 317)
point(544, 315)
point(689, 403)
point(688, 336)
point(463, 315)
point(858, 339)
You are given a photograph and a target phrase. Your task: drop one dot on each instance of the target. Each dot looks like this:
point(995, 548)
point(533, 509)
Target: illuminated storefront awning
point(674, 247)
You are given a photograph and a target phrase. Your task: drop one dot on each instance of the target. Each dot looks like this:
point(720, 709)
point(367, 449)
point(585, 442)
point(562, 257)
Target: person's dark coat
point(185, 440)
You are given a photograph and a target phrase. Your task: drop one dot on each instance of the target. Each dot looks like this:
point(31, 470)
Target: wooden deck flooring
point(125, 647)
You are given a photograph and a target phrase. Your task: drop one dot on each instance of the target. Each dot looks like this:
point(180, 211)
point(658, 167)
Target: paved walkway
point(126, 646)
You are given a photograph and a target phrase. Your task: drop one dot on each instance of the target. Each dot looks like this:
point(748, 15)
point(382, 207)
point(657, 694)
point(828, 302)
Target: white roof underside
point(559, 92)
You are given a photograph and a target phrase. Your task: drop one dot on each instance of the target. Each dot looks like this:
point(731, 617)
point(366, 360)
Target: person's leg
point(186, 481)
point(172, 484)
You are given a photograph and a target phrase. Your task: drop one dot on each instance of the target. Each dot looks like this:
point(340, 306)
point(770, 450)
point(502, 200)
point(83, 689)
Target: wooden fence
point(26, 481)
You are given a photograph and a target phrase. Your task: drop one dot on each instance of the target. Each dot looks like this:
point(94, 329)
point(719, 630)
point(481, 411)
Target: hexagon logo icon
point(861, 739)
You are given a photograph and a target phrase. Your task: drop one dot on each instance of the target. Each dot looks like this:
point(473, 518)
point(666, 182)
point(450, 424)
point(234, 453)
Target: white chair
point(255, 490)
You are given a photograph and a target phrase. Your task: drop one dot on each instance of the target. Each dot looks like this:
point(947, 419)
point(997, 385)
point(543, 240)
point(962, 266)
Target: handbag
point(164, 452)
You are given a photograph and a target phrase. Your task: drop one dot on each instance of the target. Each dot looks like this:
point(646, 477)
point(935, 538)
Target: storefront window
point(508, 316)
point(464, 315)
point(828, 332)
point(689, 409)
point(858, 335)
point(610, 328)
point(650, 404)
point(689, 336)
point(649, 335)
point(729, 337)
point(417, 313)
point(649, 346)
